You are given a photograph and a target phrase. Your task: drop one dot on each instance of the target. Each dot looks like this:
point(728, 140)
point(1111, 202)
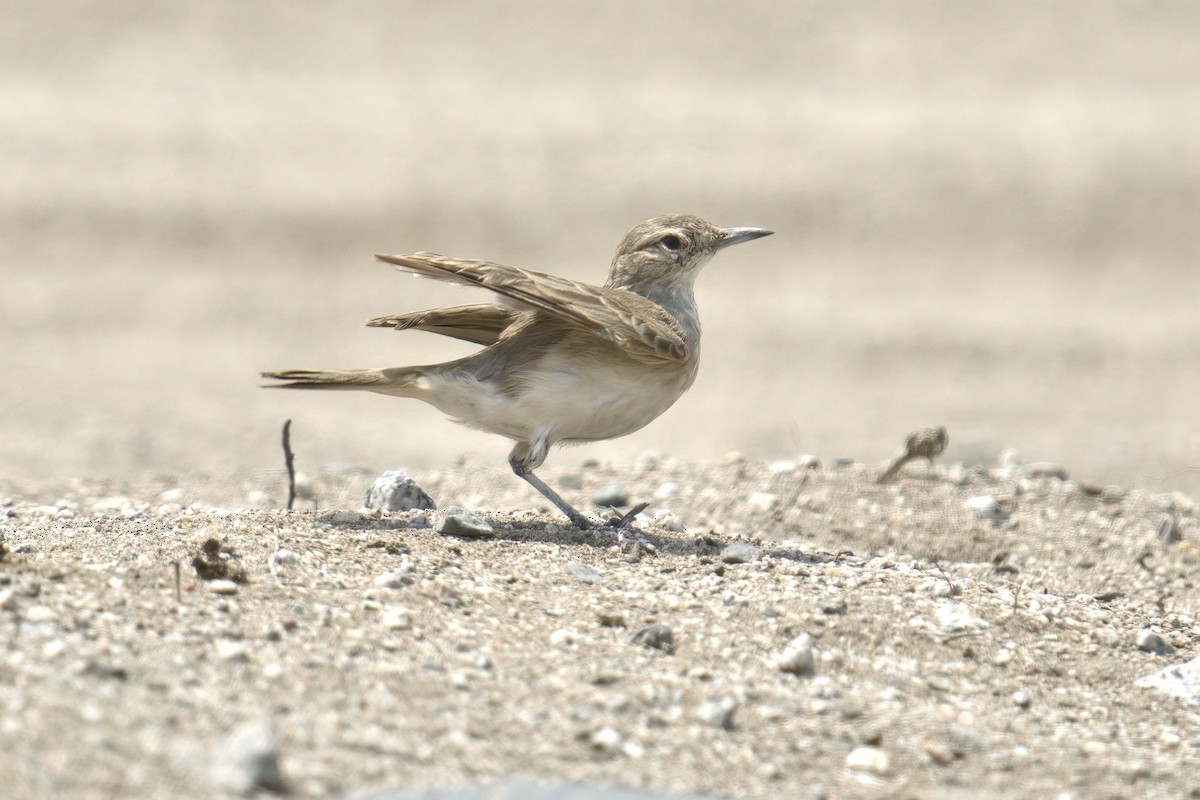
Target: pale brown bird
point(563, 361)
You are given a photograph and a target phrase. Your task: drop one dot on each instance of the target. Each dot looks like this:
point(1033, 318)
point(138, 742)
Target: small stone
point(808, 461)
point(781, 467)
point(564, 637)
point(222, 586)
point(869, 759)
point(718, 713)
point(284, 558)
point(956, 619)
point(1046, 469)
point(395, 491)
point(1021, 699)
point(739, 553)
point(581, 571)
point(614, 495)
point(345, 517)
point(1150, 642)
point(397, 619)
point(40, 615)
point(985, 506)
point(656, 636)
point(669, 521)
point(831, 606)
point(232, 650)
point(799, 657)
point(938, 753)
point(99, 669)
point(465, 525)
point(611, 618)
point(395, 580)
point(246, 761)
point(607, 740)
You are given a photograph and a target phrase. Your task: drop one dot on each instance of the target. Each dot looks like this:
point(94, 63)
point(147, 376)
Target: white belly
point(558, 403)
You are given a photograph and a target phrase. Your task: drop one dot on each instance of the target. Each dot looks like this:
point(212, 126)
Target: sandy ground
point(986, 219)
point(948, 654)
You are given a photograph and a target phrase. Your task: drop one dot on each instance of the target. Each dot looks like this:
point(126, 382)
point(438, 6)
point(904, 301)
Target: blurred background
point(987, 216)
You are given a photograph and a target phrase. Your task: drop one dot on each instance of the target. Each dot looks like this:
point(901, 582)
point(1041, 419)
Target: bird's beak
point(739, 235)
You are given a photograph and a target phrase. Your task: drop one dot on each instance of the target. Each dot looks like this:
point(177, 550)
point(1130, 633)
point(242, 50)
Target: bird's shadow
point(543, 529)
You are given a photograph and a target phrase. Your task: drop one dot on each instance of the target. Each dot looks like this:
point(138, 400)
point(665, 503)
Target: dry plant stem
point(289, 461)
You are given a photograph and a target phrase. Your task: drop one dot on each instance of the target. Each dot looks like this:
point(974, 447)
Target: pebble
point(985, 506)
point(1150, 642)
point(284, 558)
point(869, 759)
point(397, 579)
point(397, 619)
point(1179, 680)
point(1046, 469)
point(739, 553)
point(607, 740)
point(247, 761)
point(666, 491)
point(395, 491)
point(581, 571)
point(938, 753)
point(1021, 699)
point(614, 495)
point(718, 713)
point(669, 521)
point(831, 606)
point(222, 586)
point(955, 619)
point(799, 657)
point(656, 636)
point(611, 617)
point(232, 650)
point(464, 525)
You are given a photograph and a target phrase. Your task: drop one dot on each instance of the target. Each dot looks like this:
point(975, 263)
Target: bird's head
point(667, 252)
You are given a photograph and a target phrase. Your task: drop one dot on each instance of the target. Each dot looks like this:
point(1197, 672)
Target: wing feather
point(481, 324)
point(641, 328)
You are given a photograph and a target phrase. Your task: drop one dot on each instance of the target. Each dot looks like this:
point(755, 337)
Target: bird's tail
point(400, 381)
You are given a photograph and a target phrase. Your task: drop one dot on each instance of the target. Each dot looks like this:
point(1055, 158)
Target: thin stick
point(289, 461)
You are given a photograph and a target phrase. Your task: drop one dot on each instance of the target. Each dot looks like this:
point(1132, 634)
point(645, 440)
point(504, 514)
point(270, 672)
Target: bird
point(927, 443)
point(563, 361)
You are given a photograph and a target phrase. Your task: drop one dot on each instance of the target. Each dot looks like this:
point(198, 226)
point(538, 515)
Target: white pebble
point(869, 759)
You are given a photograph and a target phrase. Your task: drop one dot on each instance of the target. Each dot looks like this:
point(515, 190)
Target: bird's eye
point(671, 242)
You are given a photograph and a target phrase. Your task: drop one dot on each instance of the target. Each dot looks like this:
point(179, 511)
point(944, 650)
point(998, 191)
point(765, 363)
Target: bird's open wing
point(481, 324)
point(644, 330)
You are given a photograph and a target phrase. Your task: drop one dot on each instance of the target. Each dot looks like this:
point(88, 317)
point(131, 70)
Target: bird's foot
point(623, 522)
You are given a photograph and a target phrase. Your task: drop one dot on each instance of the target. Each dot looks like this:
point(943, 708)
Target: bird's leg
point(526, 457)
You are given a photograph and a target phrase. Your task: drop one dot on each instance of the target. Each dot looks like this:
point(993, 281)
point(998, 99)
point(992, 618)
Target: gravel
point(884, 637)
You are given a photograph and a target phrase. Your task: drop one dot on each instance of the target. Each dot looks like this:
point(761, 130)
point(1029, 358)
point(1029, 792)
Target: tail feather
point(387, 381)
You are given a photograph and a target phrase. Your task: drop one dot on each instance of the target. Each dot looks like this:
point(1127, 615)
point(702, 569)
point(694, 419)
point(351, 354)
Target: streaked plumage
point(563, 361)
